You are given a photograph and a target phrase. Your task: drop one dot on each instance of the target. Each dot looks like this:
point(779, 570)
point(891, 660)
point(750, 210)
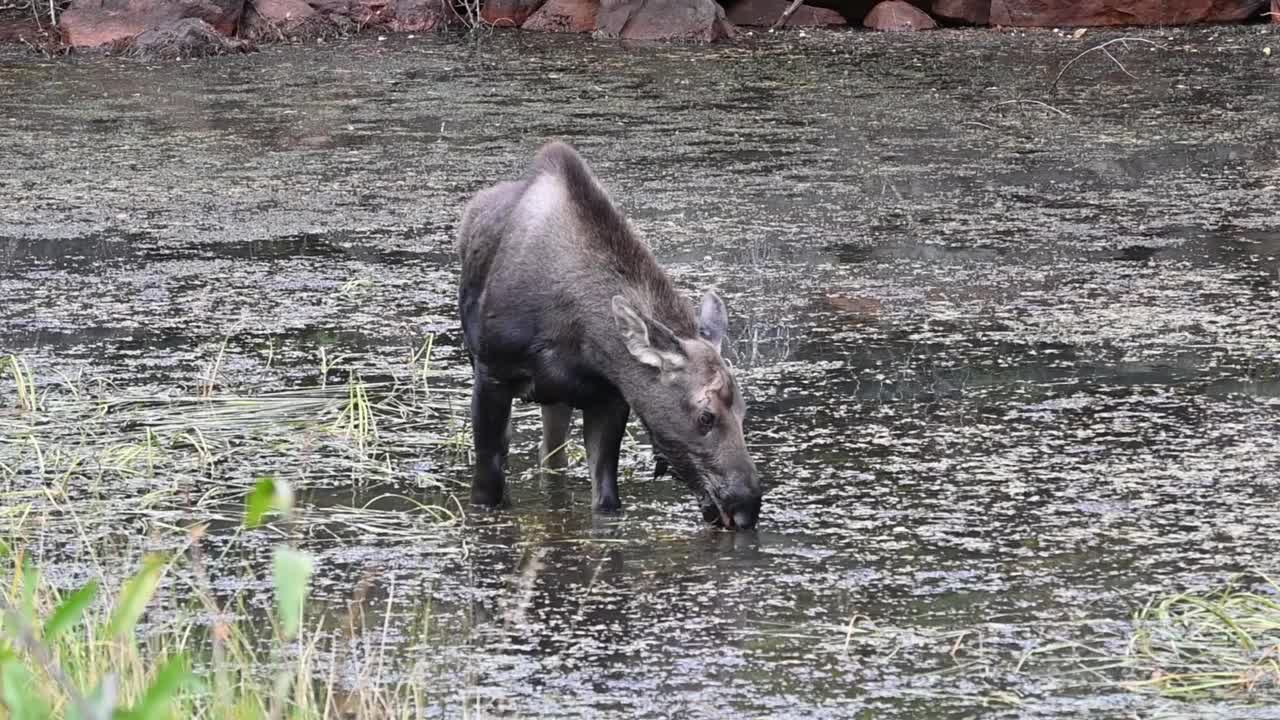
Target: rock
point(856, 309)
point(973, 12)
point(419, 15)
point(182, 39)
point(898, 16)
point(21, 27)
point(1275, 11)
point(278, 19)
point(1091, 13)
point(764, 13)
point(508, 13)
point(89, 23)
point(336, 8)
point(572, 16)
point(697, 20)
point(364, 13)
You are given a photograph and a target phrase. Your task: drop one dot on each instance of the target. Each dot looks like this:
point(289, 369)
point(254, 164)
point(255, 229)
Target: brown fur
point(563, 304)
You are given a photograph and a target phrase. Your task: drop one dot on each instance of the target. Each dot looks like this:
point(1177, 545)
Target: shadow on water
point(1010, 372)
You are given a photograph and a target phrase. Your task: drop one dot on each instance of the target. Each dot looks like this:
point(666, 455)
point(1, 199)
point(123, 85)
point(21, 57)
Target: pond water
point(1011, 355)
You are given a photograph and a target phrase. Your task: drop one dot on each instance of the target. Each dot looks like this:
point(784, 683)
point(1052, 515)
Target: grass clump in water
point(78, 655)
point(24, 383)
point(1223, 645)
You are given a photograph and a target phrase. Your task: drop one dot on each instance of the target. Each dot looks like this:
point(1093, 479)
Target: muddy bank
point(185, 28)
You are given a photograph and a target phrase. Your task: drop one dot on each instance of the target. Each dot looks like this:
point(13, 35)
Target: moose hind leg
point(555, 435)
point(602, 429)
point(490, 416)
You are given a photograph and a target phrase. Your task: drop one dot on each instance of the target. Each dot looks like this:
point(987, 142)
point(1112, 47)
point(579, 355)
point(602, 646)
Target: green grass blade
point(99, 704)
point(156, 702)
point(18, 695)
point(30, 583)
point(135, 596)
point(70, 611)
point(292, 571)
point(268, 495)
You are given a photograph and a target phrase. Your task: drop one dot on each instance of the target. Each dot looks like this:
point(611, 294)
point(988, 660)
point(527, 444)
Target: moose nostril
point(744, 510)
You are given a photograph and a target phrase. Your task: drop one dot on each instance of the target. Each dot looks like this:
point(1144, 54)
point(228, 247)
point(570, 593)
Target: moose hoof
point(608, 505)
point(486, 498)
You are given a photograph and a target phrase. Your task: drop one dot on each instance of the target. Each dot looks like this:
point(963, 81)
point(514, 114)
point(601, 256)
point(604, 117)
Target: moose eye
point(706, 421)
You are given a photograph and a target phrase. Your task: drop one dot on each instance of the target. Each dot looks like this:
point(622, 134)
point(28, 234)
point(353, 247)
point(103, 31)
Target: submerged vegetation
point(77, 462)
point(1221, 644)
point(76, 458)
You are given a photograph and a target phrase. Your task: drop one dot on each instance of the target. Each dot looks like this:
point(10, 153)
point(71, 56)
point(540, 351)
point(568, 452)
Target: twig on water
point(1119, 64)
point(1045, 105)
point(1103, 49)
point(786, 14)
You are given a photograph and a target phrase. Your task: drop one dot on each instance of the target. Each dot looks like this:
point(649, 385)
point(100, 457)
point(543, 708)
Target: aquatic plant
point(1219, 644)
point(24, 384)
point(94, 457)
point(357, 421)
point(78, 655)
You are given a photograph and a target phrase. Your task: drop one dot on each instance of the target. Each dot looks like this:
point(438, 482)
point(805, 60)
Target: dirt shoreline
point(154, 28)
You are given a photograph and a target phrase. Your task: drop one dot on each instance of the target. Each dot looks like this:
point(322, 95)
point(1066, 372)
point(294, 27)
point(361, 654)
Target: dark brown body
point(561, 304)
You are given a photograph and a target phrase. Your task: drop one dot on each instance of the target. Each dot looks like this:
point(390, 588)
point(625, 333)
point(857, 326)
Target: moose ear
point(648, 340)
point(713, 320)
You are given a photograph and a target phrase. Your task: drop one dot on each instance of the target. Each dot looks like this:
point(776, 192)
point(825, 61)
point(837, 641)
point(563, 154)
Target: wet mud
point(1013, 367)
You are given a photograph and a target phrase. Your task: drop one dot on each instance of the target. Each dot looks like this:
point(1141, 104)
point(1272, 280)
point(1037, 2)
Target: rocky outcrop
point(120, 23)
point(1083, 13)
point(88, 23)
point(571, 16)
point(763, 13)
point(898, 16)
point(697, 20)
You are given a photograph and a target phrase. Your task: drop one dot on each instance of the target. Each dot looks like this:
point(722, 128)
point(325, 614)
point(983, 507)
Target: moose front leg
point(603, 426)
point(490, 434)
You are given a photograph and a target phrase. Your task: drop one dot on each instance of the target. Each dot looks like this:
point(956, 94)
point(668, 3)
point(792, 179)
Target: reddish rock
point(508, 13)
point(1275, 11)
point(898, 16)
point(271, 19)
point(858, 310)
point(764, 13)
point(19, 28)
point(337, 8)
point(573, 16)
point(973, 12)
point(697, 20)
point(89, 23)
point(419, 15)
point(1086, 13)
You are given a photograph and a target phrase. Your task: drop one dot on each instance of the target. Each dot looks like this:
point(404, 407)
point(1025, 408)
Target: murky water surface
point(1012, 370)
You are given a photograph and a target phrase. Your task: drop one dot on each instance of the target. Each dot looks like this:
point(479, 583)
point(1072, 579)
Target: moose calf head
point(693, 408)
